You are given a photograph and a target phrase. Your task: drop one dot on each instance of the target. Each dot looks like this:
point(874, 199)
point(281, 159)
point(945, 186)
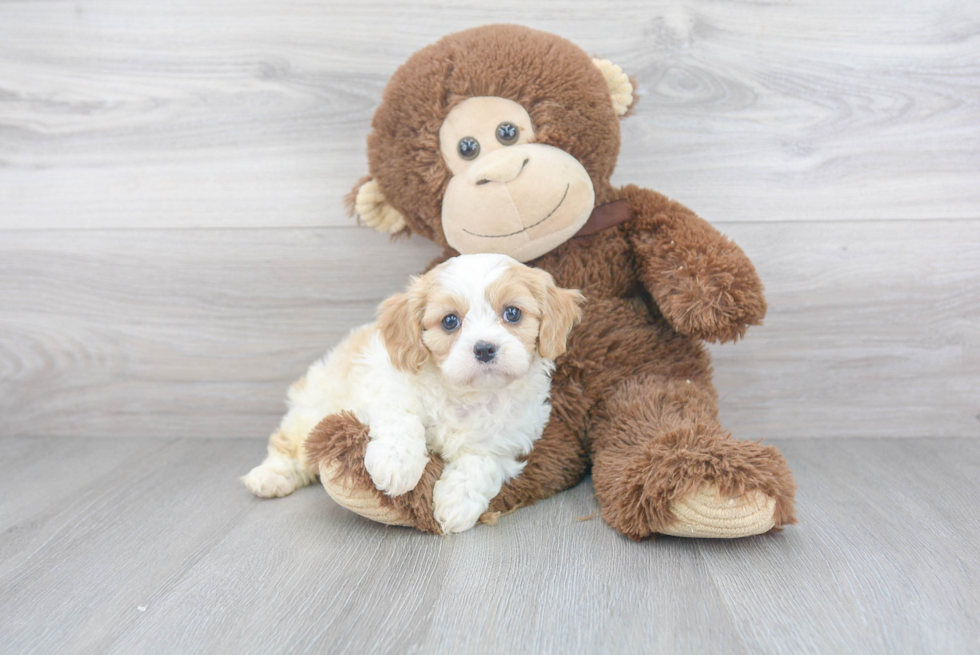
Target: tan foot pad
point(360, 501)
point(707, 514)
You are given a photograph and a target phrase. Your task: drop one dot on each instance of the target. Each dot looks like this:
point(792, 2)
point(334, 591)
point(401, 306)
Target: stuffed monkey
point(503, 139)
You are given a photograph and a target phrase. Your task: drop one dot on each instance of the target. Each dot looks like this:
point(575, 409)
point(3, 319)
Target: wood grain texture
point(188, 332)
point(883, 560)
point(874, 327)
point(254, 112)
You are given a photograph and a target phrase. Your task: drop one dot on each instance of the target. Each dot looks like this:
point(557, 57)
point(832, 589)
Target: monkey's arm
point(703, 283)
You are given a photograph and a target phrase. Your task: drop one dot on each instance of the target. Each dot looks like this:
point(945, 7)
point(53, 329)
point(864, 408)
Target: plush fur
point(474, 391)
point(633, 395)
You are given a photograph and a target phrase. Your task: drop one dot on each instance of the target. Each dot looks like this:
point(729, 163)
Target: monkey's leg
point(663, 464)
point(336, 448)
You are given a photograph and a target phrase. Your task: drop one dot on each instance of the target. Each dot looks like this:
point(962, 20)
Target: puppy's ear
point(400, 322)
point(561, 310)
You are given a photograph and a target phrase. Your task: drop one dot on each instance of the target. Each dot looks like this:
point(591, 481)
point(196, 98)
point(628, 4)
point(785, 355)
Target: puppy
point(460, 364)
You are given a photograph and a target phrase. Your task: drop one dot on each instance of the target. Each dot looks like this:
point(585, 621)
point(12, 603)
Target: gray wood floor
point(152, 546)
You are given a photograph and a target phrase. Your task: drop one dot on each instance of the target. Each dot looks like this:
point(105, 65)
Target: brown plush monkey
point(503, 139)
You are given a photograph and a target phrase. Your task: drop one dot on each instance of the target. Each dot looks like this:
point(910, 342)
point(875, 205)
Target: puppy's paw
point(457, 508)
point(267, 483)
point(395, 465)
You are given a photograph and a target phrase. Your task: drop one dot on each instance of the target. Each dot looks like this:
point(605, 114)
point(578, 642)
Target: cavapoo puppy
point(459, 364)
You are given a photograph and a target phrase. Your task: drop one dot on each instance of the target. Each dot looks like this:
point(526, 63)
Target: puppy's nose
point(485, 351)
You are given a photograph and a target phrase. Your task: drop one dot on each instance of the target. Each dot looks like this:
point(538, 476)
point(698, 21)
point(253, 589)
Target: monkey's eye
point(469, 148)
point(512, 315)
point(508, 134)
point(450, 322)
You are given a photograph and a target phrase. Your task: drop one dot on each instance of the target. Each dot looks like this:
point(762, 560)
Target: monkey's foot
point(361, 500)
point(706, 513)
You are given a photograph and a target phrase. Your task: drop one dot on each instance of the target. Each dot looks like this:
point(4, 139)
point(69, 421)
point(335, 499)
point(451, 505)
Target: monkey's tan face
point(508, 195)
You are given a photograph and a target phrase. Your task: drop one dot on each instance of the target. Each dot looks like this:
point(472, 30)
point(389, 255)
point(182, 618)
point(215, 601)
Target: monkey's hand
point(703, 283)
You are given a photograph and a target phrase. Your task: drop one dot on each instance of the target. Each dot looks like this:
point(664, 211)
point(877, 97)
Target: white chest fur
point(497, 423)
point(500, 423)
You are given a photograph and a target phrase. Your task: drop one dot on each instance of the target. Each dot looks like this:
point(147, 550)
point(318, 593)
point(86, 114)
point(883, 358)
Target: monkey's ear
point(619, 85)
point(369, 204)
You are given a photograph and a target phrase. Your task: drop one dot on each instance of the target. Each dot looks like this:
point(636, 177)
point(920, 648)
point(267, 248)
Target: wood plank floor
point(152, 546)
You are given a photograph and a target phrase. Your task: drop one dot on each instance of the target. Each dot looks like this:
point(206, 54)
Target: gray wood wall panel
point(179, 332)
point(173, 249)
point(254, 112)
point(873, 328)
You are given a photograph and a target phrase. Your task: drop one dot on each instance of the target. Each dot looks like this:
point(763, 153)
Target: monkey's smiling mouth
point(501, 236)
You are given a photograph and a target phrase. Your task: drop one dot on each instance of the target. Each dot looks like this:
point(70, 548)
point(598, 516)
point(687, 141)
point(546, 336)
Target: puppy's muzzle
point(485, 351)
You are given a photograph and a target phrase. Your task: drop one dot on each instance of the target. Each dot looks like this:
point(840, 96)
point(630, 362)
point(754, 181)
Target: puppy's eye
point(508, 133)
point(450, 322)
point(512, 315)
point(468, 148)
